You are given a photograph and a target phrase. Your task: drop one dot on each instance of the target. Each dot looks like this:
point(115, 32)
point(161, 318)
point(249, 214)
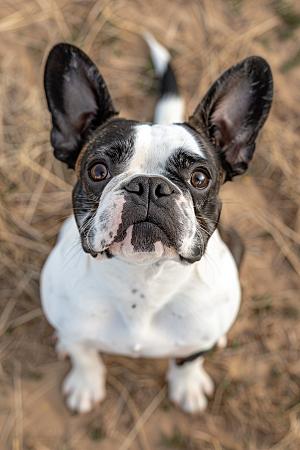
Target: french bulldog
point(140, 269)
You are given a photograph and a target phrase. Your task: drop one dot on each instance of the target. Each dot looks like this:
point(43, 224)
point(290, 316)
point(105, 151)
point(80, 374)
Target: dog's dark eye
point(199, 180)
point(98, 172)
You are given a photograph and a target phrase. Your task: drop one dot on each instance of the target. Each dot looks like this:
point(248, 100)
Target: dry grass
point(256, 405)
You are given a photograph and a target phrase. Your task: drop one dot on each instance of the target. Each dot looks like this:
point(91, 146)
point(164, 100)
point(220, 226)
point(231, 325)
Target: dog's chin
point(147, 258)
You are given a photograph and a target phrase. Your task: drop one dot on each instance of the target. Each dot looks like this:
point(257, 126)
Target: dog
point(140, 269)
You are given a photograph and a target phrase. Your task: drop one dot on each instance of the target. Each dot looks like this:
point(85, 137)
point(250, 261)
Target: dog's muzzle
point(150, 208)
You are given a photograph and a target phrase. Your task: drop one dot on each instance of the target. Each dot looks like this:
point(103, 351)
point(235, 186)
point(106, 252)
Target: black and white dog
point(150, 275)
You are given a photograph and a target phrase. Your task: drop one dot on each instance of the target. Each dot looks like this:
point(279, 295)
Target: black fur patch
point(111, 144)
point(207, 203)
point(187, 359)
point(168, 83)
point(145, 234)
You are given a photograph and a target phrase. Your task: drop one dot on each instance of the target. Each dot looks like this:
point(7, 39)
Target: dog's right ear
point(78, 100)
point(234, 110)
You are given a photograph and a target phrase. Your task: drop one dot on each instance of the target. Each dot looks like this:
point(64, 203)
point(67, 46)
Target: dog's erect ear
point(234, 110)
point(77, 98)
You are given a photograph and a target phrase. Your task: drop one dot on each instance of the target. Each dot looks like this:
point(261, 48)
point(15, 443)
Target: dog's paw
point(189, 385)
point(84, 389)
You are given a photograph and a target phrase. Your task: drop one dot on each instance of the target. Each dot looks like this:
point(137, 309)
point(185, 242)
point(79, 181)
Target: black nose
point(143, 188)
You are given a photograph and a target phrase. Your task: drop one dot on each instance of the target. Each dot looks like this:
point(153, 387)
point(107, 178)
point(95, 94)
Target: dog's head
point(146, 192)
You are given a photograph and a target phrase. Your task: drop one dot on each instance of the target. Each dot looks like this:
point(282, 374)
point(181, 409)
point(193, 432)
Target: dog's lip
point(154, 224)
point(147, 222)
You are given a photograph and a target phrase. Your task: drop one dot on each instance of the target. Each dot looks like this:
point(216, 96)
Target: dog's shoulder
point(217, 268)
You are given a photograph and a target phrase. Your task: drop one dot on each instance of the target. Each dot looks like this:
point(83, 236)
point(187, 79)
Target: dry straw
point(257, 377)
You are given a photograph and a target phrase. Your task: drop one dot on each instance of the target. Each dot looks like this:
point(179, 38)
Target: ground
point(257, 377)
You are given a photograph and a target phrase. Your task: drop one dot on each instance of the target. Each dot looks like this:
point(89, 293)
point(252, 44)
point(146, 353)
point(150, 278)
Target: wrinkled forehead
point(141, 148)
point(154, 145)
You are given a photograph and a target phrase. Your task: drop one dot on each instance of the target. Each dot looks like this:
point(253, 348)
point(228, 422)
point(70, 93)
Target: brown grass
point(256, 404)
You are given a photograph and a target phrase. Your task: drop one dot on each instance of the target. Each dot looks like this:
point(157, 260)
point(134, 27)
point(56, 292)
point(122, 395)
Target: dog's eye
point(98, 172)
point(199, 180)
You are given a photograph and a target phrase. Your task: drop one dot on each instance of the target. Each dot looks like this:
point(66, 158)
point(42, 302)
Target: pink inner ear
point(231, 111)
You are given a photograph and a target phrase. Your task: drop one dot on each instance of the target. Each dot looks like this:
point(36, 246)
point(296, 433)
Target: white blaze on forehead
point(155, 144)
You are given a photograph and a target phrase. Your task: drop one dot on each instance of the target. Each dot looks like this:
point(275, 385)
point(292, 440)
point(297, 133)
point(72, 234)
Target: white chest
point(165, 311)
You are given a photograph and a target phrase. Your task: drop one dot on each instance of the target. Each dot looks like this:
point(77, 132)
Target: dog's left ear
point(78, 100)
point(234, 110)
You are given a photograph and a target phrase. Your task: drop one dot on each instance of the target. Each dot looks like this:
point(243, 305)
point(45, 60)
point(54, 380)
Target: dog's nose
point(143, 188)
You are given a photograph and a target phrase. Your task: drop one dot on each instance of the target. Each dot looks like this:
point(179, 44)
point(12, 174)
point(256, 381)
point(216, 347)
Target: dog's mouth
point(140, 234)
point(141, 238)
point(145, 234)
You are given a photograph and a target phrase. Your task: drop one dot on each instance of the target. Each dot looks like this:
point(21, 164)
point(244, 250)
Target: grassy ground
point(256, 404)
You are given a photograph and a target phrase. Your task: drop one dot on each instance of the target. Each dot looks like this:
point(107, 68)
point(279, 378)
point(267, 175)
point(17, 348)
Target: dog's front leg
point(84, 385)
point(189, 385)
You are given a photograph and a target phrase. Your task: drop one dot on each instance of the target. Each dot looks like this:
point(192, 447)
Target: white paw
point(84, 389)
point(189, 385)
